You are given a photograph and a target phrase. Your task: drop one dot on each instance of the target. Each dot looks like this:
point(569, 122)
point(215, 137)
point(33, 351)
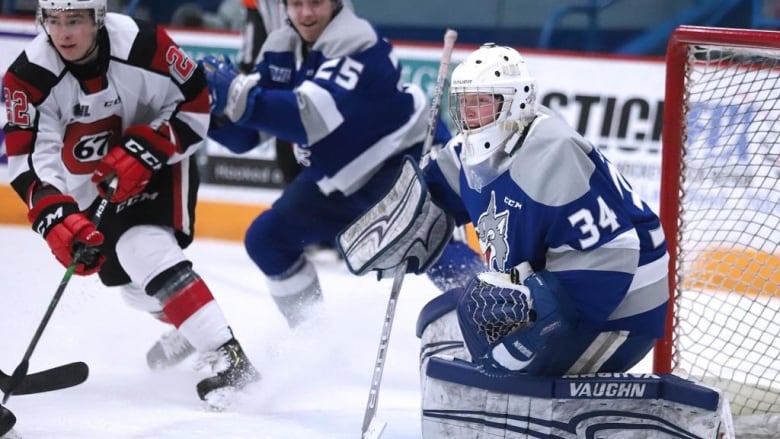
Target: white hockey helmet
point(499, 75)
point(98, 8)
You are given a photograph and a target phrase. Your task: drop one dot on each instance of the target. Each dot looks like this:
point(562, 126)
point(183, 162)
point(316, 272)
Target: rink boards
point(617, 103)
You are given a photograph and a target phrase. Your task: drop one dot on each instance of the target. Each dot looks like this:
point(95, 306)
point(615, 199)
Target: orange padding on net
point(740, 270)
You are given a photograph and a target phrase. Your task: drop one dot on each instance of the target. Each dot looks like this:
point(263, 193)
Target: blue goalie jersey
point(563, 207)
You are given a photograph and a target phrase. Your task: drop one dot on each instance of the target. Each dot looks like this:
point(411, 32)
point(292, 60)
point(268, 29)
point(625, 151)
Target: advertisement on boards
point(615, 103)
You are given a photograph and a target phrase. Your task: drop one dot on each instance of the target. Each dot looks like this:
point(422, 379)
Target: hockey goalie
point(576, 293)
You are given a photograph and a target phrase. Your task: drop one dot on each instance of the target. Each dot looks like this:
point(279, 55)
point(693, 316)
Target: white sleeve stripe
point(626, 240)
point(657, 236)
point(642, 300)
point(603, 259)
point(352, 176)
point(319, 113)
point(650, 273)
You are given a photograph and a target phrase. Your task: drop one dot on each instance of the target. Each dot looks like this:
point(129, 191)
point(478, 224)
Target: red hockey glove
point(143, 152)
point(58, 219)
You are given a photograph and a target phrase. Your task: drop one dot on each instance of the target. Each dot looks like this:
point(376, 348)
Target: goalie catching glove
point(404, 226)
point(142, 152)
point(506, 323)
point(57, 218)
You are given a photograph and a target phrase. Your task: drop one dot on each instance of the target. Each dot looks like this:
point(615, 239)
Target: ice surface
point(315, 379)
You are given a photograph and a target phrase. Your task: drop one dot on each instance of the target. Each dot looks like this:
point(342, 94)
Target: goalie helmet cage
point(720, 209)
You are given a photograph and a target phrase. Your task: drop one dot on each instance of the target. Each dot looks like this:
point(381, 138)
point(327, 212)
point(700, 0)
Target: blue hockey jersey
point(561, 206)
point(340, 100)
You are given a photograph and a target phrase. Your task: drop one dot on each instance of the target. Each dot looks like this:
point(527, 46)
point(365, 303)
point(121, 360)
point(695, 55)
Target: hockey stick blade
point(375, 429)
point(60, 377)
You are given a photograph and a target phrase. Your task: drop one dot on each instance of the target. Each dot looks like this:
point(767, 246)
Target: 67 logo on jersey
point(85, 144)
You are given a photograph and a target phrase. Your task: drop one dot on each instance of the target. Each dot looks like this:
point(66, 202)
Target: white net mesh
point(727, 307)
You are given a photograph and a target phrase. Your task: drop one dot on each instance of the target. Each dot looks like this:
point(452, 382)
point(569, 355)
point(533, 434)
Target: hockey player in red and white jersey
point(98, 96)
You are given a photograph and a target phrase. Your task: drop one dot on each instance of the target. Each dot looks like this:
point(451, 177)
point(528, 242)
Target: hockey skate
point(171, 349)
point(234, 372)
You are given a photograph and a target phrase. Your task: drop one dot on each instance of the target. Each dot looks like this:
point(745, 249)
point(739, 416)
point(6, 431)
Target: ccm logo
point(512, 203)
point(48, 220)
point(147, 157)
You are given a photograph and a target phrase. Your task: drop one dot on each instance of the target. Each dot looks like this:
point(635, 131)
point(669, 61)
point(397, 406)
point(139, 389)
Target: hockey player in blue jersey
point(576, 292)
point(332, 85)
point(578, 262)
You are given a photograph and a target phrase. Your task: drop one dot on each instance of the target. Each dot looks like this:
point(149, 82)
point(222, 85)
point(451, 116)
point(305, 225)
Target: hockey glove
point(505, 324)
point(231, 93)
point(142, 152)
point(219, 74)
point(58, 219)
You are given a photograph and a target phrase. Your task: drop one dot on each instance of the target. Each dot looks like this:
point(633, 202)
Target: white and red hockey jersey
point(62, 118)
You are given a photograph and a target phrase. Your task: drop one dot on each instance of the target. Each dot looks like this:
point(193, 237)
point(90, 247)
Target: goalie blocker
point(461, 400)
point(403, 226)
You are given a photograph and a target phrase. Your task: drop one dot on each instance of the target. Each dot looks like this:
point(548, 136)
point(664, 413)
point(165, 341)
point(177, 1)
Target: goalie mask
point(492, 100)
point(96, 7)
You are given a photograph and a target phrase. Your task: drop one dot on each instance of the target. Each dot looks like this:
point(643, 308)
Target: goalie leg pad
point(404, 226)
point(461, 402)
point(438, 329)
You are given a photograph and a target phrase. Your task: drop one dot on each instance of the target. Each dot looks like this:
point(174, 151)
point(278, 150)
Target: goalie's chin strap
point(516, 141)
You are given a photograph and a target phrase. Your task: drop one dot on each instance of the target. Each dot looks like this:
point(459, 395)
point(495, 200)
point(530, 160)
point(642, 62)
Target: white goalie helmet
point(98, 8)
point(492, 100)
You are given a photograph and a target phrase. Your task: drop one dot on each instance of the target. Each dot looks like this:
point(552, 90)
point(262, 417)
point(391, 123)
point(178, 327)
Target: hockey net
point(720, 206)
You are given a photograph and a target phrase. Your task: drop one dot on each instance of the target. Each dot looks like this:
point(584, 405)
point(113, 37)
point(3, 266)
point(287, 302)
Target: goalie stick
point(19, 374)
point(373, 427)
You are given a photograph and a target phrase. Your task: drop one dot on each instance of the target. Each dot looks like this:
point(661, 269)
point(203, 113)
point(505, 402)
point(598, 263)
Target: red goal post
point(720, 209)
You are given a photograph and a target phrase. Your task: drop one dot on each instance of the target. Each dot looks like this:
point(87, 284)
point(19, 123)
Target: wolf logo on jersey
point(491, 230)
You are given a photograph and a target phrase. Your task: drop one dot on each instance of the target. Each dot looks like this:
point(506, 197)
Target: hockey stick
point(372, 427)
point(60, 377)
point(444, 67)
point(21, 370)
